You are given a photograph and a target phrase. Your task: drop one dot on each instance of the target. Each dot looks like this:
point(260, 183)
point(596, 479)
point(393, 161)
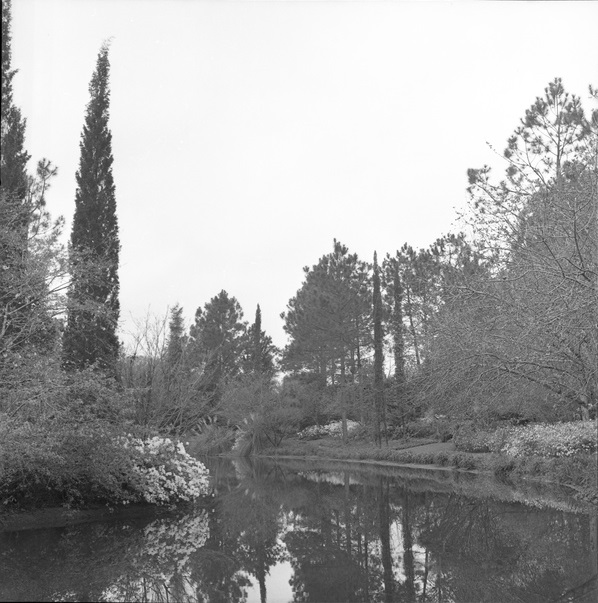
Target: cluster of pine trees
point(500, 320)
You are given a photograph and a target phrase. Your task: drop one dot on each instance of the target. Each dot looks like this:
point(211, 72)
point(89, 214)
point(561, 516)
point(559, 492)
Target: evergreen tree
point(256, 340)
point(261, 352)
point(395, 311)
point(217, 342)
point(378, 356)
point(93, 304)
point(30, 255)
point(176, 338)
point(328, 319)
point(14, 213)
point(14, 158)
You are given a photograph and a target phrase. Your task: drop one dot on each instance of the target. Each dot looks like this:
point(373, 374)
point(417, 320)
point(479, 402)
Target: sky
point(248, 135)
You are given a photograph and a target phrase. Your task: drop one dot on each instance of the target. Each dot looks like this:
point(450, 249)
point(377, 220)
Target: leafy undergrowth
point(80, 464)
point(213, 440)
point(542, 440)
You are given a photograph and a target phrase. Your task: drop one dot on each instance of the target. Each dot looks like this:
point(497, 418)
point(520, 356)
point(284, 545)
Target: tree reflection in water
point(342, 536)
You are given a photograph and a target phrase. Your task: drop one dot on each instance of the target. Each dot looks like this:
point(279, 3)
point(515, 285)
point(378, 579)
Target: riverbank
point(577, 472)
point(60, 517)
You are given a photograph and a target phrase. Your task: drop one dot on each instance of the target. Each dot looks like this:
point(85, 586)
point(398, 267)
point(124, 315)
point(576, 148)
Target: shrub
point(334, 429)
point(55, 463)
point(214, 439)
point(74, 464)
point(546, 440)
point(166, 473)
point(437, 427)
point(468, 440)
point(442, 458)
point(420, 429)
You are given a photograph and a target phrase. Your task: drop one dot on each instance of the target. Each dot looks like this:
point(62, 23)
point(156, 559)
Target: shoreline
point(552, 471)
point(60, 517)
point(429, 457)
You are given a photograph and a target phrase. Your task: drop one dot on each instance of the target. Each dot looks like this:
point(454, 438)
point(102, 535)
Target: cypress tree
point(257, 348)
point(176, 338)
point(397, 324)
point(260, 351)
point(14, 158)
point(378, 355)
point(14, 205)
point(93, 305)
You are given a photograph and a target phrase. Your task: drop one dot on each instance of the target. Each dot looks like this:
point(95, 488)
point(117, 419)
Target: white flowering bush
point(334, 429)
point(546, 440)
point(164, 472)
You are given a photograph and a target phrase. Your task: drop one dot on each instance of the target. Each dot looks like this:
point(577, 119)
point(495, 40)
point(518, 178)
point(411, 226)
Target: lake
point(306, 531)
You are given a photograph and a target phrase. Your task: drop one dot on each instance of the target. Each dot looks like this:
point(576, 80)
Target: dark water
point(294, 532)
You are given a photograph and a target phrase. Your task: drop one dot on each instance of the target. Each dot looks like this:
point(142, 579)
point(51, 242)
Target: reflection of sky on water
point(277, 585)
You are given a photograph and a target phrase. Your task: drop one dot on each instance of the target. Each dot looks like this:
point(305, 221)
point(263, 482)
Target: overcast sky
point(248, 135)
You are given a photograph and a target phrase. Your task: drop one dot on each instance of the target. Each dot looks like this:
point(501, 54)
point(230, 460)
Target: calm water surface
point(297, 532)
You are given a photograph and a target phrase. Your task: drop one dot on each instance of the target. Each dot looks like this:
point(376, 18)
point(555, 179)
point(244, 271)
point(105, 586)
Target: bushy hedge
point(542, 440)
point(58, 462)
point(546, 440)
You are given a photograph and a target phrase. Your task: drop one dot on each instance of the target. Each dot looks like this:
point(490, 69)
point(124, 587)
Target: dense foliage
point(76, 462)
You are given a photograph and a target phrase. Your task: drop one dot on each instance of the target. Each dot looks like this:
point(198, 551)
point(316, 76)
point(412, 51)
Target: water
point(294, 532)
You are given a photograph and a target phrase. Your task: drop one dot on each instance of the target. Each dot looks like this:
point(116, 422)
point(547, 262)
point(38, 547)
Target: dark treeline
point(497, 321)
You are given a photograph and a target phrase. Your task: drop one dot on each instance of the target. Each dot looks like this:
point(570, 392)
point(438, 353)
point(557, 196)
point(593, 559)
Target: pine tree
point(328, 321)
point(217, 342)
point(93, 304)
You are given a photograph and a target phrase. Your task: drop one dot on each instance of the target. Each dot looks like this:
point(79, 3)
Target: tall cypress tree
point(257, 332)
point(378, 356)
point(93, 304)
point(14, 158)
point(260, 353)
point(14, 205)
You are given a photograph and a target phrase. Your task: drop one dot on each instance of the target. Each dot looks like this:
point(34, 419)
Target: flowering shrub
point(334, 429)
point(165, 472)
point(545, 440)
point(65, 463)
